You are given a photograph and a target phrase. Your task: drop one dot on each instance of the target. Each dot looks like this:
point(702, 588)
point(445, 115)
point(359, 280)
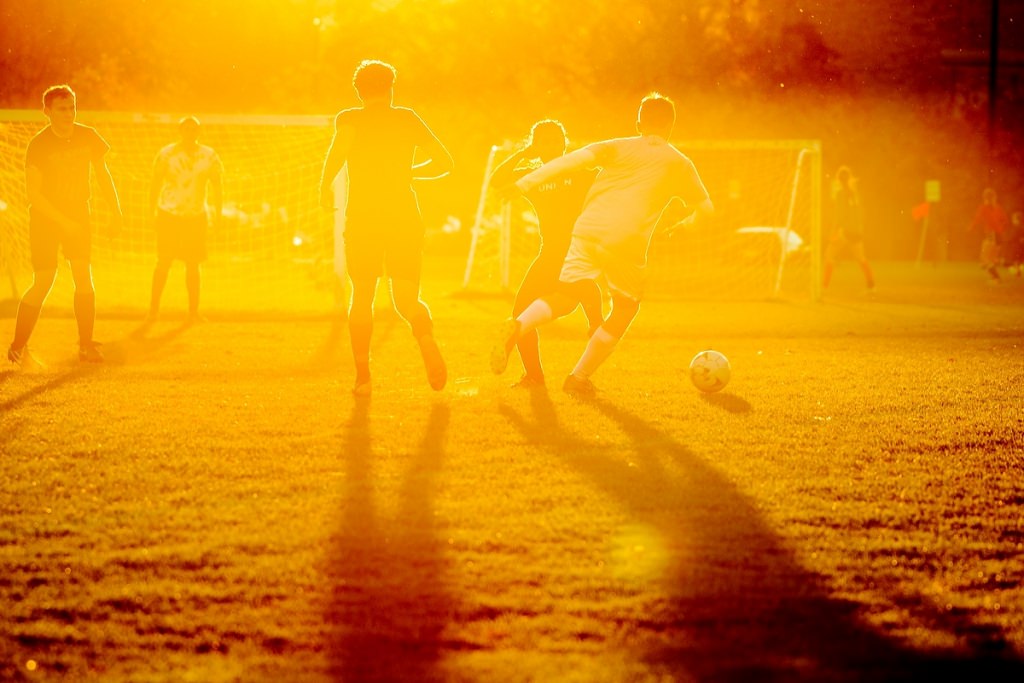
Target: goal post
point(273, 250)
point(764, 242)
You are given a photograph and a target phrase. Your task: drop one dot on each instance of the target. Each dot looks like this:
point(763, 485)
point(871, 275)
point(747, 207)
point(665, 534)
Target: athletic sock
point(600, 346)
point(535, 315)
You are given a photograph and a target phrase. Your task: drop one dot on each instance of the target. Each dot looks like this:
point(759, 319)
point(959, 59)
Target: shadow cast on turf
point(389, 605)
point(742, 608)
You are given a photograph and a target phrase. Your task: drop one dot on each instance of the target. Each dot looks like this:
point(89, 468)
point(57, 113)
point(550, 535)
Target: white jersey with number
point(186, 173)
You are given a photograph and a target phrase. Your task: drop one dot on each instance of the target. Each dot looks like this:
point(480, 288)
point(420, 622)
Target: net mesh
point(763, 243)
point(272, 250)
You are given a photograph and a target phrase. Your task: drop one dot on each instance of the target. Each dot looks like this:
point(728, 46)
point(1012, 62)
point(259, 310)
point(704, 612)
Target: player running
point(557, 205)
point(638, 179)
point(383, 227)
point(57, 165)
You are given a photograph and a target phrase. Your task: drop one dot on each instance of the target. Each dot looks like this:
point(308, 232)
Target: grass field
point(212, 504)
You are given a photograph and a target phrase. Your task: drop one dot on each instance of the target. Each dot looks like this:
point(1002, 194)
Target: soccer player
point(848, 236)
point(383, 228)
point(990, 219)
point(639, 177)
point(57, 165)
point(182, 173)
point(557, 204)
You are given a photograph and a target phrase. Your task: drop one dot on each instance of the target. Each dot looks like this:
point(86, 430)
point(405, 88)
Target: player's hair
point(844, 176)
point(988, 196)
point(187, 121)
point(657, 115)
point(373, 78)
point(548, 127)
point(56, 92)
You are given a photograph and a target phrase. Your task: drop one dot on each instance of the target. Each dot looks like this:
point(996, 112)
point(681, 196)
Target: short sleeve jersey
point(991, 219)
point(639, 177)
point(380, 161)
point(186, 174)
point(849, 219)
point(64, 164)
point(558, 203)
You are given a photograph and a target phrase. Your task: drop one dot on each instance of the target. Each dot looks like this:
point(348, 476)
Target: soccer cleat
point(89, 352)
point(508, 334)
point(437, 371)
point(579, 387)
point(24, 359)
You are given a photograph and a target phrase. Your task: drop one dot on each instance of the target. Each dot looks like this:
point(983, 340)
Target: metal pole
point(993, 73)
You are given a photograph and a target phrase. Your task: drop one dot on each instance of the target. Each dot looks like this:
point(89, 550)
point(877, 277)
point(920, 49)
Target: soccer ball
point(710, 371)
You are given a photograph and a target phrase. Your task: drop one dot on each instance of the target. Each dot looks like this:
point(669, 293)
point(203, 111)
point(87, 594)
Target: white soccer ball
point(710, 371)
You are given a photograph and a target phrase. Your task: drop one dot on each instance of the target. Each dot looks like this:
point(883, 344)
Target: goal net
point(765, 241)
point(273, 250)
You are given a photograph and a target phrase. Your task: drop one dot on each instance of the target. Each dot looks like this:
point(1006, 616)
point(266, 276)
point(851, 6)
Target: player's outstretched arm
point(578, 160)
point(509, 171)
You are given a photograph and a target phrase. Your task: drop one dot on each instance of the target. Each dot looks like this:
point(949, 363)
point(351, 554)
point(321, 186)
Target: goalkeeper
point(383, 227)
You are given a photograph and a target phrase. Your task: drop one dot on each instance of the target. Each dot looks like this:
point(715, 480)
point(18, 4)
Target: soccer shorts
point(46, 240)
point(372, 250)
point(181, 237)
point(588, 260)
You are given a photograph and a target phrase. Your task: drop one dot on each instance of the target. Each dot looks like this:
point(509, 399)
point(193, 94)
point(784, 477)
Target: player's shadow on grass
point(740, 606)
point(728, 402)
point(388, 605)
point(133, 348)
point(140, 345)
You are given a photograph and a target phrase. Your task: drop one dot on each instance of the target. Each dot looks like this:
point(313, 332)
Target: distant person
point(57, 166)
point(847, 229)
point(1015, 244)
point(991, 221)
point(639, 177)
point(182, 174)
point(557, 205)
point(383, 226)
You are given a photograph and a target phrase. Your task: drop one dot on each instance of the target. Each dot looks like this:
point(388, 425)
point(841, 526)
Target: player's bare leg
point(539, 312)
point(408, 304)
point(192, 279)
point(360, 329)
point(85, 312)
point(865, 267)
point(163, 267)
point(28, 315)
point(528, 343)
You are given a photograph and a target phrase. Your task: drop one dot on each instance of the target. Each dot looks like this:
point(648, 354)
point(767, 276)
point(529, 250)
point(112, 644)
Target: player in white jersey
point(639, 176)
point(182, 173)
